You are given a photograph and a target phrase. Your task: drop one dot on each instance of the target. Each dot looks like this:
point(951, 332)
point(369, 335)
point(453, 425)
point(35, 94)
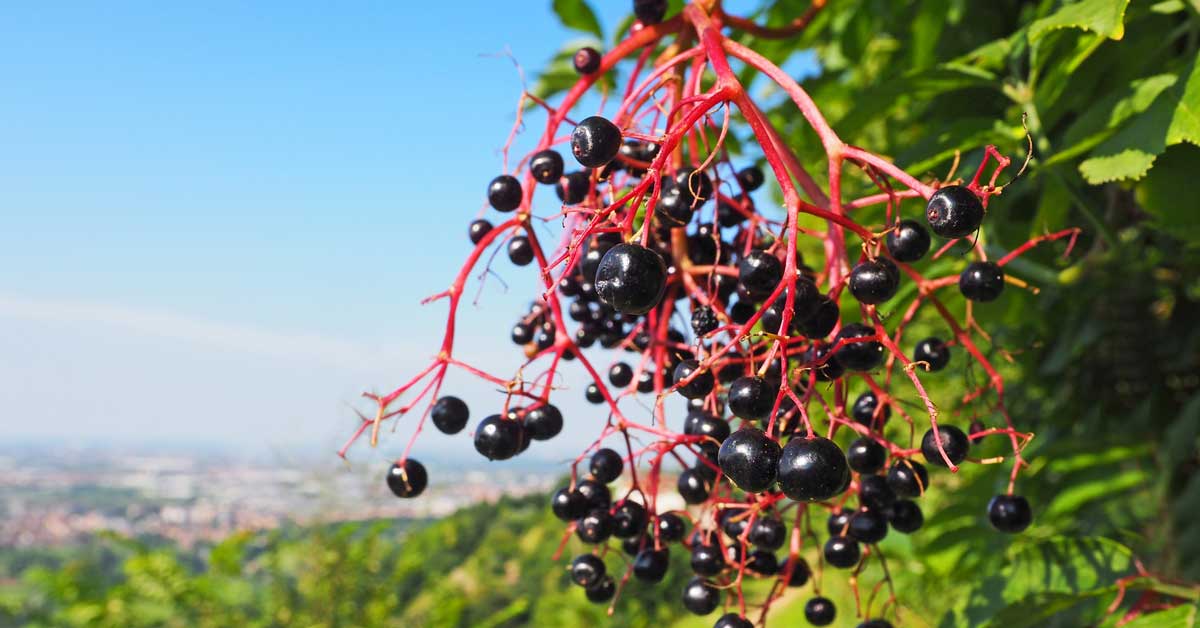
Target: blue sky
point(219, 217)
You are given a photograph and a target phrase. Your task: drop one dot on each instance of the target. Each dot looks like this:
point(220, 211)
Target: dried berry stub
point(407, 480)
point(954, 212)
point(595, 141)
point(631, 278)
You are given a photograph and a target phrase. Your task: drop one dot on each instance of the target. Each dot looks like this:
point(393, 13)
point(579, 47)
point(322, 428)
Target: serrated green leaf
point(1185, 124)
point(577, 14)
point(1104, 17)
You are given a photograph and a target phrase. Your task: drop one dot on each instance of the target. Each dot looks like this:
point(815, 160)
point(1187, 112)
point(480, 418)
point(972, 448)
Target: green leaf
point(1182, 616)
point(1159, 192)
point(1104, 17)
point(577, 14)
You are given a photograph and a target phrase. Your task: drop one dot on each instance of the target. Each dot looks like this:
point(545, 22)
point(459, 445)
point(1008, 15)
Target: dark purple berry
point(750, 459)
point(631, 279)
point(873, 282)
point(1009, 513)
point(543, 422)
point(908, 242)
point(707, 559)
point(954, 212)
point(866, 456)
point(450, 415)
point(981, 281)
point(905, 516)
point(768, 533)
point(824, 318)
point(800, 574)
point(587, 570)
point(751, 398)
point(671, 527)
point(842, 552)
point(874, 493)
point(650, 12)
point(694, 486)
point(574, 187)
point(762, 562)
point(594, 527)
point(596, 494)
point(954, 442)
point(602, 591)
point(733, 620)
point(759, 273)
point(546, 166)
point(478, 230)
point(499, 438)
point(408, 479)
point(751, 178)
point(864, 410)
point(629, 520)
point(934, 352)
point(704, 320)
point(908, 478)
point(858, 356)
point(587, 60)
point(650, 565)
point(700, 597)
point(568, 504)
point(606, 465)
point(504, 193)
point(595, 141)
point(868, 526)
point(620, 374)
point(820, 611)
point(812, 469)
point(520, 251)
point(701, 384)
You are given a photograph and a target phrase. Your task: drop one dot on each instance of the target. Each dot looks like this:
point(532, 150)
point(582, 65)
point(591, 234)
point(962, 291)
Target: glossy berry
point(874, 493)
point(587, 570)
point(842, 552)
point(981, 281)
point(868, 526)
point(954, 443)
point(593, 394)
point(546, 166)
point(704, 320)
point(602, 591)
point(574, 187)
point(694, 486)
point(631, 279)
point(407, 480)
point(700, 597)
point(838, 523)
point(751, 178)
point(876, 623)
point(872, 281)
point(629, 520)
point(620, 374)
point(498, 438)
point(645, 382)
point(824, 318)
point(812, 469)
point(699, 423)
point(707, 559)
point(504, 193)
point(596, 494)
point(586, 60)
point(673, 209)
point(671, 527)
point(478, 230)
point(650, 11)
point(693, 186)
point(522, 333)
point(864, 410)
point(1009, 513)
point(905, 516)
point(954, 212)
point(751, 398)
point(762, 562)
point(650, 565)
point(606, 465)
point(568, 504)
point(750, 459)
point(866, 456)
point(858, 356)
point(759, 273)
point(908, 242)
point(450, 415)
point(767, 533)
point(595, 141)
point(701, 384)
point(594, 527)
point(908, 478)
point(543, 422)
point(820, 611)
point(934, 352)
point(520, 251)
point(800, 574)
point(733, 620)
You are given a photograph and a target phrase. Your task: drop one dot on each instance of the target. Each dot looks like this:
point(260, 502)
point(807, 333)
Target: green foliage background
point(1102, 365)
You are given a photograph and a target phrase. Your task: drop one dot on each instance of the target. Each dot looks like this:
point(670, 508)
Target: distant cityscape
point(52, 497)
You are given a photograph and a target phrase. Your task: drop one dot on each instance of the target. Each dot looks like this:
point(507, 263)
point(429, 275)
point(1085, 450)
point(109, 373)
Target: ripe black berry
point(858, 356)
point(498, 438)
point(693, 186)
point(522, 333)
point(842, 552)
point(908, 478)
point(868, 526)
point(823, 319)
point(820, 611)
point(733, 620)
point(750, 459)
point(866, 456)
point(812, 469)
point(543, 422)
point(631, 279)
point(595, 141)
point(594, 527)
point(954, 442)
point(671, 527)
point(574, 187)
point(650, 565)
point(593, 394)
point(701, 384)
point(981, 281)
point(864, 410)
point(700, 597)
point(450, 415)
point(606, 465)
point(874, 493)
point(876, 623)
point(826, 366)
point(650, 11)
point(759, 273)
point(767, 533)
point(707, 559)
point(694, 486)
point(934, 352)
point(704, 320)
point(645, 382)
point(602, 591)
point(762, 562)
point(587, 570)
point(546, 166)
point(905, 516)
point(1010, 513)
point(407, 480)
point(673, 209)
point(587, 60)
point(800, 574)
point(620, 374)
point(839, 522)
point(478, 230)
point(954, 211)
point(704, 424)
point(596, 494)
point(751, 178)
point(568, 504)
point(908, 242)
point(751, 398)
point(504, 193)
point(520, 251)
point(629, 520)
point(873, 282)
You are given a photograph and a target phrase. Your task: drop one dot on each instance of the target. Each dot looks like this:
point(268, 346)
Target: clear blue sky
point(219, 217)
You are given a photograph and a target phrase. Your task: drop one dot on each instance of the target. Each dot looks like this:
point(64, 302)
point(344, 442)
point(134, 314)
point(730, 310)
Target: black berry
point(750, 459)
point(875, 493)
point(546, 166)
point(733, 620)
point(934, 352)
point(858, 356)
point(759, 273)
point(700, 597)
point(606, 465)
point(868, 526)
point(587, 570)
point(450, 415)
point(908, 242)
point(593, 394)
point(707, 559)
point(751, 178)
point(520, 251)
point(981, 281)
point(693, 186)
point(694, 487)
point(568, 504)
point(701, 384)
point(478, 230)
point(704, 320)
point(800, 574)
point(954, 212)
point(671, 527)
point(824, 318)
point(594, 527)
point(908, 478)
point(905, 516)
point(595, 141)
point(504, 193)
point(762, 562)
point(838, 523)
point(872, 282)
point(499, 438)
point(620, 374)
point(574, 187)
point(596, 494)
point(812, 469)
point(587, 60)
point(650, 565)
point(751, 398)
point(864, 410)
point(407, 480)
point(954, 442)
point(629, 520)
point(842, 552)
point(767, 533)
point(820, 611)
point(1009, 513)
point(866, 456)
point(543, 422)
point(602, 591)
point(631, 278)
point(650, 12)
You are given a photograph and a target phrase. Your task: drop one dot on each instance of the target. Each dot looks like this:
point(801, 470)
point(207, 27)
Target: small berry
point(593, 394)
point(762, 562)
point(751, 178)
point(478, 230)
point(596, 494)
point(606, 465)
point(820, 611)
point(671, 527)
point(499, 438)
point(631, 279)
point(954, 212)
point(908, 478)
point(905, 516)
point(827, 367)
point(767, 533)
point(587, 60)
point(707, 559)
point(908, 242)
point(700, 597)
point(620, 374)
point(450, 415)
point(520, 251)
point(873, 282)
point(704, 320)
point(704, 424)
point(868, 526)
point(759, 273)
point(673, 208)
point(407, 480)
point(839, 522)
point(812, 469)
point(594, 527)
point(751, 398)
point(543, 422)
point(824, 318)
point(858, 356)
point(595, 141)
point(750, 459)
point(866, 456)
point(876, 623)
point(800, 574)
point(568, 504)
point(874, 493)
point(733, 620)
point(701, 384)
point(587, 570)
point(650, 12)
point(864, 410)
point(693, 486)
point(504, 193)
point(934, 352)
point(954, 442)
point(842, 552)
point(693, 186)
point(645, 382)
point(602, 591)
point(629, 520)
point(522, 334)
point(981, 281)
point(650, 565)
point(573, 188)
point(546, 166)
point(1010, 513)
